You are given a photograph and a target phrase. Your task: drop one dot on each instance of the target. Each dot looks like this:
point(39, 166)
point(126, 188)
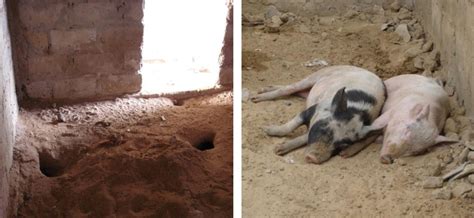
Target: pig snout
point(387, 154)
point(386, 159)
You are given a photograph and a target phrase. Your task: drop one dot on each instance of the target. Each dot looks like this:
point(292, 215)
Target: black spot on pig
point(307, 114)
point(360, 96)
point(320, 131)
point(339, 102)
point(351, 112)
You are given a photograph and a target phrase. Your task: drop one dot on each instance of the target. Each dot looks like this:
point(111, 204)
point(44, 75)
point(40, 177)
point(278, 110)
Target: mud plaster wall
point(227, 57)
point(451, 26)
point(8, 108)
point(76, 49)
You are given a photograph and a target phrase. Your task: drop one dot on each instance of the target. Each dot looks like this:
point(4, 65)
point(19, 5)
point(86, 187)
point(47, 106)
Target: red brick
point(40, 16)
point(47, 67)
point(39, 90)
point(71, 40)
point(119, 84)
point(122, 38)
point(79, 88)
point(38, 41)
point(106, 63)
point(132, 61)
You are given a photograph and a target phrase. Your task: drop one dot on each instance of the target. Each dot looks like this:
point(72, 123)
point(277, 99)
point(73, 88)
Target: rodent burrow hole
point(202, 140)
point(54, 163)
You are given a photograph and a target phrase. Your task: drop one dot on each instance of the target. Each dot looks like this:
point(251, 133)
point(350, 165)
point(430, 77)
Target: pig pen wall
point(450, 24)
point(227, 56)
point(82, 50)
point(79, 49)
point(8, 108)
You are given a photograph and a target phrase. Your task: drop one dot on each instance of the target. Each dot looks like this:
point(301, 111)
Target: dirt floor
point(125, 158)
point(286, 186)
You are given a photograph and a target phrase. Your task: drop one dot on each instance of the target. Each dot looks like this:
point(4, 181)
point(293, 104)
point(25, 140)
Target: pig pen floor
point(125, 158)
point(285, 186)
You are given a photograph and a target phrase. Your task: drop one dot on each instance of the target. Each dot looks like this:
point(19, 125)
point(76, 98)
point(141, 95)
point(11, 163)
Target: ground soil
point(130, 157)
point(286, 186)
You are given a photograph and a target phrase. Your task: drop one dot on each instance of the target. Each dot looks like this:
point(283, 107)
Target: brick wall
point(8, 108)
point(227, 57)
point(450, 24)
point(76, 49)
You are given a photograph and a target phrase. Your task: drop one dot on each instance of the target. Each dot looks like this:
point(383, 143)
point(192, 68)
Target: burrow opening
point(55, 163)
point(202, 140)
point(49, 165)
point(206, 144)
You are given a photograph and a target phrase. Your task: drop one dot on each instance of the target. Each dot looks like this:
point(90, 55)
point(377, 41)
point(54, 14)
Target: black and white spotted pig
point(341, 104)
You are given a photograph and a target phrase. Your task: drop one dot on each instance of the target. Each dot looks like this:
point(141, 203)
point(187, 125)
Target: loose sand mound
point(128, 158)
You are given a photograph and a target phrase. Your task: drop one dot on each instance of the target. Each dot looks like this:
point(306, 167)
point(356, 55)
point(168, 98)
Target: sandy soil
point(125, 158)
point(275, 186)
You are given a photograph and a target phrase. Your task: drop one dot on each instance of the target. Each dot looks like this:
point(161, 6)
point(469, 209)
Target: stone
point(326, 21)
point(461, 188)
point(428, 46)
point(418, 62)
point(324, 35)
point(433, 182)
point(271, 12)
point(351, 14)
point(273, 25)
point(404, 14)
point(452, 135)
point(464, 122)
point(402, 31)
point(467, 135)
point(470, 179)
point(443, 194)
point(395, 6)
point(470, 156)
point(384, 26)
point(450, 126)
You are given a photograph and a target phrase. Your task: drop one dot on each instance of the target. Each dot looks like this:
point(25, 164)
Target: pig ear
point(443, 139)
point(339, 102)
point(416, 110)
point(424, 113)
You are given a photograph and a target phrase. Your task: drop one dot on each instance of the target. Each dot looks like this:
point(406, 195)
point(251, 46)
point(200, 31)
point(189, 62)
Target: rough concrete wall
point(227, 56)
point(329, 7)
point(8, 108)
point(76, 49)
point(450, 24)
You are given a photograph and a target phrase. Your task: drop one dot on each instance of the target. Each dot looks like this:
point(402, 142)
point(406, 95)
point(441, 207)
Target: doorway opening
point(182, 43)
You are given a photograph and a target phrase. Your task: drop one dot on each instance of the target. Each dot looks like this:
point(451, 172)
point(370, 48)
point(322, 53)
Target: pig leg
point(291, 144)
point(302, 94)
point(300, 119)
point(356, 147)
point(304, 84)
point(269, 89)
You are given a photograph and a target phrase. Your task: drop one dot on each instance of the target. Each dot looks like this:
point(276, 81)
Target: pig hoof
point(255, 99)
point(280, 150)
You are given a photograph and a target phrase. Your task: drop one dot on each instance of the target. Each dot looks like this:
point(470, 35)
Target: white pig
point(342, 103)
point(413, 115)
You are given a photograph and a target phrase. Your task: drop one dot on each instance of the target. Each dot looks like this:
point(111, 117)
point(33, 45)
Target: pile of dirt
point(127, 158)
point(376, 40)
